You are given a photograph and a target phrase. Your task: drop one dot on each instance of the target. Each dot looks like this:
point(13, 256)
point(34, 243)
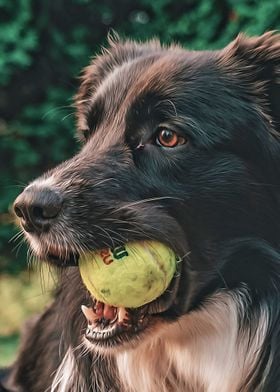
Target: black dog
point(181, 147)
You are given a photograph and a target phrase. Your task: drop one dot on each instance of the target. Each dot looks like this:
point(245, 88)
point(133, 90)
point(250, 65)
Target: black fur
point(214, 199)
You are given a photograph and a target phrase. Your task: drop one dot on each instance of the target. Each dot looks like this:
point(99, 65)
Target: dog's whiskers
point(18, 247)
point(21, 240)
point(122, 238)
point(134, 225)
point(57, 109)
point(103, 181)
point(106, 235)
point(16, 236)
point(68, 115)
point(143, 201)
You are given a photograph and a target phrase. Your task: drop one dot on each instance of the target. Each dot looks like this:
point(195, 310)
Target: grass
point(21, 297)
point(8, 345)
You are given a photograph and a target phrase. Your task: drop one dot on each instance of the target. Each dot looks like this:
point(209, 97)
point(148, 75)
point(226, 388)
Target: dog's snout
point(37, 208)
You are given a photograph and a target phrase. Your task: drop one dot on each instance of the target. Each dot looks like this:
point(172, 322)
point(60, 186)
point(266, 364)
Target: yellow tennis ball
point(130, 275)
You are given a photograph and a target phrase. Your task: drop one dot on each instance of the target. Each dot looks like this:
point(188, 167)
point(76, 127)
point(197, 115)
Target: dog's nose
point(37, 208)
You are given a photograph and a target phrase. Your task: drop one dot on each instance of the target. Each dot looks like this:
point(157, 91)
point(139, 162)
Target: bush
point(45, 44)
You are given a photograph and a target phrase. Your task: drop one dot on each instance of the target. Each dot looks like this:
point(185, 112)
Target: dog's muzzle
point(37, 208)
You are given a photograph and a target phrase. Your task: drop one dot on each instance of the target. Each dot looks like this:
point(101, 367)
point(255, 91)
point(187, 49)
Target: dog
point(181, 147)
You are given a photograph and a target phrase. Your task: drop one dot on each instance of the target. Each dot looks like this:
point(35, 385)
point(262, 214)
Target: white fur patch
point(67, 378)
point(202, 352)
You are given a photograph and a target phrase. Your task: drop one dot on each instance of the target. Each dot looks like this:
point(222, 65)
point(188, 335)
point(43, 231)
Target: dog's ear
point(111, 56)
point(255, 62)
point(115, 54)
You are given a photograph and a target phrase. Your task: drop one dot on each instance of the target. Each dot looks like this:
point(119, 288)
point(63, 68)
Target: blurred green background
point(43, 46)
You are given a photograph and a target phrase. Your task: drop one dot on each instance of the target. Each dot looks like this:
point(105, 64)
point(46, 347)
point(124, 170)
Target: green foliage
point(8, 347)
point(45, 44)
point(17, 38)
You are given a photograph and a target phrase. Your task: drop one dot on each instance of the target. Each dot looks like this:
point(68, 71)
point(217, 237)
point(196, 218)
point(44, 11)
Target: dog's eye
point(167, 138)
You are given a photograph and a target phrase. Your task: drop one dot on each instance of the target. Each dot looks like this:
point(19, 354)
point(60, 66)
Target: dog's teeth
point(122, 315)
point(89, 314)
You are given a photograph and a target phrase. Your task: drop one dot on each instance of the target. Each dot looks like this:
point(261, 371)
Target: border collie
point(181, 147)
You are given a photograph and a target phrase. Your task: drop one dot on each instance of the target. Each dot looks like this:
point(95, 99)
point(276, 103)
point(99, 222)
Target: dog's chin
point(125, 338)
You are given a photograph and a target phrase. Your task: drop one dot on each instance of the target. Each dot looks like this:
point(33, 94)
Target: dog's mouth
point(109, 326)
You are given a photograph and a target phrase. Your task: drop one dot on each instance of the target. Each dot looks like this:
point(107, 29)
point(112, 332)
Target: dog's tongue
point(105, 311)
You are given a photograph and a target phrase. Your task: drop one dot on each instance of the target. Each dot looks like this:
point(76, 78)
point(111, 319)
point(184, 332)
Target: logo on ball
point(108, 255)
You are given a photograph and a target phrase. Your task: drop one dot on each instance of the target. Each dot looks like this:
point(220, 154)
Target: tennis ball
point(130, 275)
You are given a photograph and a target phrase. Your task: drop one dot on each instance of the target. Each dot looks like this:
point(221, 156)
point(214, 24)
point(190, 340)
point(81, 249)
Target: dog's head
point(177, 146)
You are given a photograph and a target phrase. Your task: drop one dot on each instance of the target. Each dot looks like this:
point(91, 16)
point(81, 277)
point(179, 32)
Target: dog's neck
point(204, 351)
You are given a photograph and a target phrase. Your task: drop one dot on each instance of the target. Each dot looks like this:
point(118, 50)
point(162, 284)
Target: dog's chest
point(202, 352)
point(169, 368)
